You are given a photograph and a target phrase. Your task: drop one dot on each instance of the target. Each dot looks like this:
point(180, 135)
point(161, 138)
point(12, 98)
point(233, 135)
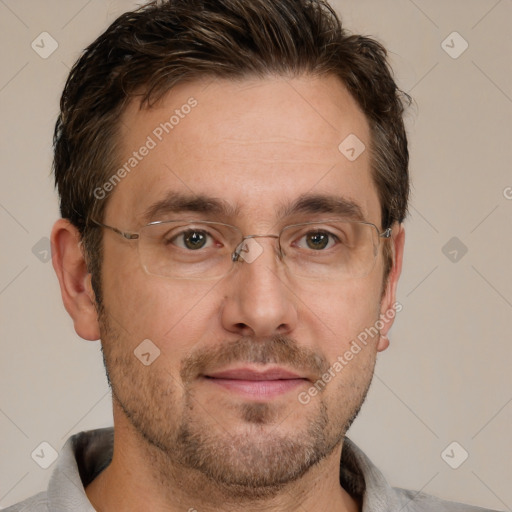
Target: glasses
point(190, 249)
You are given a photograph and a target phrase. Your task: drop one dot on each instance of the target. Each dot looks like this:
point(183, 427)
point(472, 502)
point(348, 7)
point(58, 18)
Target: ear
point(74, 279)
point(389, 306)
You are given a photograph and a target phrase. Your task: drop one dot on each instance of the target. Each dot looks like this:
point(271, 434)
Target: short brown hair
point(167, 42)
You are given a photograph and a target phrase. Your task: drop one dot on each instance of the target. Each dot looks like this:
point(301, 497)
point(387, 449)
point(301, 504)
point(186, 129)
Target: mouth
point(256, 384)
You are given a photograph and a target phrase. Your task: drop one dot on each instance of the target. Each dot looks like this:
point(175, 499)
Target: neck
point(141, 477)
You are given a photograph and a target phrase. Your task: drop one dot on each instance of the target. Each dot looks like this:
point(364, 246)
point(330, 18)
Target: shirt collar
point(86, 454)
point(360, 477)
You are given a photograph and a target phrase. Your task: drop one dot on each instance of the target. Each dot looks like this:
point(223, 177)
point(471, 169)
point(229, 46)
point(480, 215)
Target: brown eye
point(192, 239)
point(195, 240)
point(317, 240)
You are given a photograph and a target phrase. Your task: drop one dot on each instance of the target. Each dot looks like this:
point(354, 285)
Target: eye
point(192, 239)
point(317, 240)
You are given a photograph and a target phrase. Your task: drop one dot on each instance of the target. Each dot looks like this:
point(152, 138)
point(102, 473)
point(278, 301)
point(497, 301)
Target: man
point(233, 179)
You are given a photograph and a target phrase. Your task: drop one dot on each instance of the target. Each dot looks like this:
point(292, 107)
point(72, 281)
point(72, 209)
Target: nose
point(259, 301)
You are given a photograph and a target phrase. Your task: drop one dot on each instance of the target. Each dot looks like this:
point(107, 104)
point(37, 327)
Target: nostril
point(244, 329)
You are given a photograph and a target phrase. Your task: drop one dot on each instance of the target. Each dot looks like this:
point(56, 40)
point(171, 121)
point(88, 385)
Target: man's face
point(255, 146)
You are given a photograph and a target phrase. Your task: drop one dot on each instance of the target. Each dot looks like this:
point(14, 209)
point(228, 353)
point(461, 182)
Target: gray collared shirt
point(86, 454)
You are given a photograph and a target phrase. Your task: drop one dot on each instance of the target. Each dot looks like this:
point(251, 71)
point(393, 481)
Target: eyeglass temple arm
point(128, 236)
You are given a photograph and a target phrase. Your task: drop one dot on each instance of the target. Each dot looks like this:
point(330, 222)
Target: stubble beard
point(257, 460)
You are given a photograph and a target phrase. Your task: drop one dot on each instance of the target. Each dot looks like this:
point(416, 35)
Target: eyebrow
point(176, 202)
point(323, 203)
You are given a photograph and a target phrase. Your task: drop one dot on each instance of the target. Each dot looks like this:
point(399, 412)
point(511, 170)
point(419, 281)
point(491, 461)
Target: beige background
point(446, 376)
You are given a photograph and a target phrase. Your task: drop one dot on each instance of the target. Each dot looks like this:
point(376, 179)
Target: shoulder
point(420, 502)
point(83, 456)
point(361, 477)
point(37, 503)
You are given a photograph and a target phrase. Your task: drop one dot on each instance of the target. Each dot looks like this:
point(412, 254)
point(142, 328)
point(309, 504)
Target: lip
point(275, 373)
point(256, 384)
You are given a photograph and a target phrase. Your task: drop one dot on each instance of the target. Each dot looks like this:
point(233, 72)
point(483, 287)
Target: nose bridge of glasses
point(250, 254)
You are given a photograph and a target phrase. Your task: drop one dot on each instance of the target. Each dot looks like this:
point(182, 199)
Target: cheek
point(171, 313)
point(338, 314)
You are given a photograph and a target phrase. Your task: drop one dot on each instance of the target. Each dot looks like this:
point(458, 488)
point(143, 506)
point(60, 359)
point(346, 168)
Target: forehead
point(256, 145)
